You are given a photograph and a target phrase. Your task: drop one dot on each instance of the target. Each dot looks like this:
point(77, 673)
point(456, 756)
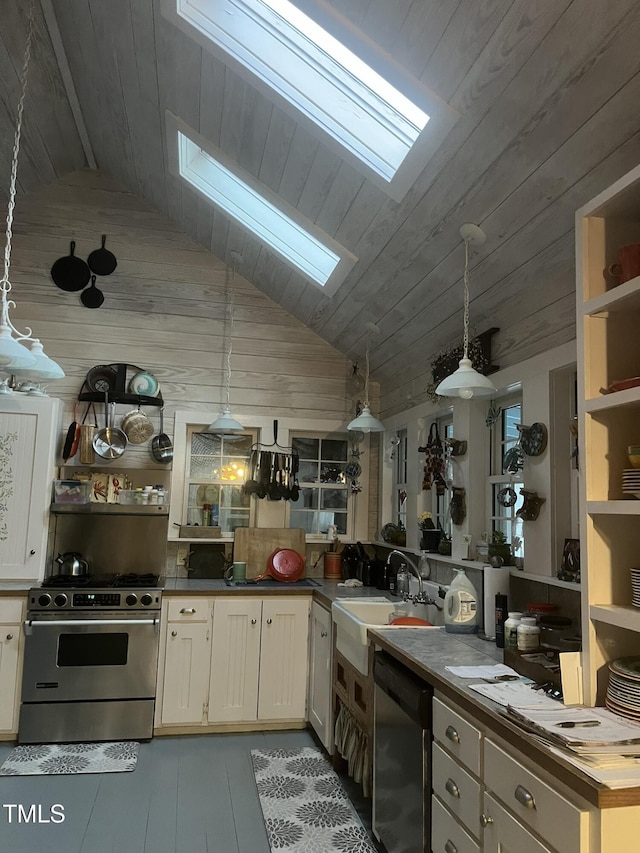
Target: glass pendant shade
point(14, 356)
point(43, 367)
point(224, 423)
point(365, 422)
point(466, 382)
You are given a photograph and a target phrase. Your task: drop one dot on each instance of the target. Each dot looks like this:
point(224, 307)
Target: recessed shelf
point(626, 507)
point(154, 511)
point(545, 579)
point(612, 401)
point(624, 297)
point(615, 614)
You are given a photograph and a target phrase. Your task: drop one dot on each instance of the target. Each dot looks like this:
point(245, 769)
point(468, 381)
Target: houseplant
point(429, 534)
point(499, 547)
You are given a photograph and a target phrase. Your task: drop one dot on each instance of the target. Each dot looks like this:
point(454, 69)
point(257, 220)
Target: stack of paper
point(583, 730)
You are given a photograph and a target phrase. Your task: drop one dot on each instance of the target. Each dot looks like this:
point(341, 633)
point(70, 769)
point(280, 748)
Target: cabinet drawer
point(458, 736)
point(456, 788)
point(188, 609)
point(10, 610)
point(447, 836)
point(563, 824)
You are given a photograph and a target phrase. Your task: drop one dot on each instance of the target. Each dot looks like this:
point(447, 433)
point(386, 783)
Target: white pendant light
point(365, 422)
point(466, 382)
point(14, 355)
point(225, 423)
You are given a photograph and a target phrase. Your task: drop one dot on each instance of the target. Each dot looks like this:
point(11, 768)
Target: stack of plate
point(635, 587)
point(631, 481)
point(623, 691)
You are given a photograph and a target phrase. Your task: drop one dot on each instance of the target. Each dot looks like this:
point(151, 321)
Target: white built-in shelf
point(624, 297)
point(612, 401)
point(545, 579)
point(155, 511)
point(615, 614)
point(626, 507)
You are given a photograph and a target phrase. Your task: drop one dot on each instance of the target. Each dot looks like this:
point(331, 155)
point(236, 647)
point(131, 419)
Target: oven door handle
point(72, 623)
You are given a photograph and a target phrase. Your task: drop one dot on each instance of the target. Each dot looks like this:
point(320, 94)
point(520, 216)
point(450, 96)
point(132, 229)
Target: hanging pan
point(110, 442)
point(70, 273)
point(92, 297)
point(73, 436)
point(161, 446)
point(102, 261)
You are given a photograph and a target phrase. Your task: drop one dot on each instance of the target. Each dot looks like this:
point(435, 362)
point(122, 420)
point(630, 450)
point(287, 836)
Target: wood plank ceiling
point(547, 98)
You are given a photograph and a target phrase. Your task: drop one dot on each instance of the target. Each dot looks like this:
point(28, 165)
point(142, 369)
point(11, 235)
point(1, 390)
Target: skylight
point(311, 70)
point(323, 262)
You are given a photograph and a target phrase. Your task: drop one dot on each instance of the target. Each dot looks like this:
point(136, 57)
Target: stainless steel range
point(90, 660)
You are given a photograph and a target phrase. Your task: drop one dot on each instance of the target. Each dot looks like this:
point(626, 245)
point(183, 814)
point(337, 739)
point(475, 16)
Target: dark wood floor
point(191, 794)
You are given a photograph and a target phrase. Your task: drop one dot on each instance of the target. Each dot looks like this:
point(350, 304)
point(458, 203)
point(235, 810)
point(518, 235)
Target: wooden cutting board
point(254, 545)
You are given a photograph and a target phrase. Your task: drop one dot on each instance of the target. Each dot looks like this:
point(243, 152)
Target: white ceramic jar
point(528, 634)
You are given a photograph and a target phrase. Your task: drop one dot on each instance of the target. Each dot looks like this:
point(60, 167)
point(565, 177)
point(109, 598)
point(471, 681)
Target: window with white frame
point(324, 485)
point(503, 485)
point(441, 503)
point(399, 455)
point(217, 468)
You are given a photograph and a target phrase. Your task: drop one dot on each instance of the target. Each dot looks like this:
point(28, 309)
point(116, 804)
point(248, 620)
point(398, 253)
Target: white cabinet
point(29, 429)
point(187, 653)
point(320, 705)
point(608, 315)
point(11, 615)
point(233, 659)
point(504, 834)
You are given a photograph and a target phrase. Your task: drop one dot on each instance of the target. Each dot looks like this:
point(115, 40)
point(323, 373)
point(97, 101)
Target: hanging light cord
point(229, 276)
point(466, 300)
point(5, 284)
point(366, 376)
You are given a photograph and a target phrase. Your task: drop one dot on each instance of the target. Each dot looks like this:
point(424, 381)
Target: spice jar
point(528, 634)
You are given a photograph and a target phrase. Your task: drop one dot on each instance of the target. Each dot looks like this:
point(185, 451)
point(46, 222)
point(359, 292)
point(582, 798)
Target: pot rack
point(119, 393)
point(259, 445)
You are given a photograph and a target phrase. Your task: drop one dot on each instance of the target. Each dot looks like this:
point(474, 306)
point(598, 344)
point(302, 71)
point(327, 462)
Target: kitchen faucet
point(420, 597)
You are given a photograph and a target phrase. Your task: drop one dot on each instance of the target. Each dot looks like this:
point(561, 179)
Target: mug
point(237, 571)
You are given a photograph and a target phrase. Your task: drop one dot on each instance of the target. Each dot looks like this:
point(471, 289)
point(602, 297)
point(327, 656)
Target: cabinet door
point(283, 659)
point(27, 455)
point(235, 660)
point(186, 673)
point(10, 649)
point(504, 834)
point(320, 664)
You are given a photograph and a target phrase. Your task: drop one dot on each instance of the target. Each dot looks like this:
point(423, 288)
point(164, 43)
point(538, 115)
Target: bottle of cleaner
point(461, 606)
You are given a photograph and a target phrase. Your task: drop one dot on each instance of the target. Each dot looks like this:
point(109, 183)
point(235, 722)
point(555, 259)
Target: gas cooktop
point(107, 581)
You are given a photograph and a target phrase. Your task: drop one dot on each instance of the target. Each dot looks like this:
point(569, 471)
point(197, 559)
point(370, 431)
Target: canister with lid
point(528, 634)
point(511, 628)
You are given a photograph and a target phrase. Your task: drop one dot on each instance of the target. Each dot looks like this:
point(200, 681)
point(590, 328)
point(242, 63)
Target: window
point(296, 241)
point(324, 486)
point(400, 477)
point(217, 466)
point(442, 503)
point(379, 119)
point(504, 436)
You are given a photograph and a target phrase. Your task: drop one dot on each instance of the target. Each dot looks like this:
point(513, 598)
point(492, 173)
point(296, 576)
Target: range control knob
point(131, 599)
point(146, 599)
point(44, 600)
point(60, 600)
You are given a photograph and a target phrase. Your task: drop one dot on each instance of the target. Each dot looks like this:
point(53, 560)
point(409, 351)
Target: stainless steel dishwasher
point(402, 758)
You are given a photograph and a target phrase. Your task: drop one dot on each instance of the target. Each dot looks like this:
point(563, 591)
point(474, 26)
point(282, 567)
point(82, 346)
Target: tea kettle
point(71, 563)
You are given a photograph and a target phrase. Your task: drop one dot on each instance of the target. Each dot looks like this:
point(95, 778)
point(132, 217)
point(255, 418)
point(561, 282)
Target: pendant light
point(365, 422)
point(15, 357)
point(225, 423)
point(466, 382)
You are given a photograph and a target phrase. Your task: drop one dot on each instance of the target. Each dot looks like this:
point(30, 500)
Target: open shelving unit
point(608, 319)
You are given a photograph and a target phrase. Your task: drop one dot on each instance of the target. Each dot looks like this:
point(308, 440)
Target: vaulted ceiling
point(546, 95)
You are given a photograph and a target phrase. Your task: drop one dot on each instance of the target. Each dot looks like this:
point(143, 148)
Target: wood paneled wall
point(164, 311)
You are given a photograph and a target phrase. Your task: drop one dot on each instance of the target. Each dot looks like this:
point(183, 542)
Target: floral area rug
point(305, 807)
point(66, 758)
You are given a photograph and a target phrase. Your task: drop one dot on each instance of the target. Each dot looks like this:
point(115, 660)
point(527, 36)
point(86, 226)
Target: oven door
point(90, 656)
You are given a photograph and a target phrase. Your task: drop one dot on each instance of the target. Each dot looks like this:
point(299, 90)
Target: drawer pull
point(524, 797)
point(452, 734)
point(253, 621)
point(450, 847)
point(174, 633)
point(323, 633)
point(187, 610)
point(9, 636)
point(452, 788)
point(269, 621)
point(485, 820)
